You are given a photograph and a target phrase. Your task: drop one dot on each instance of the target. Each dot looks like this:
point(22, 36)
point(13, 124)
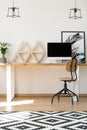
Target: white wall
point(41, 20)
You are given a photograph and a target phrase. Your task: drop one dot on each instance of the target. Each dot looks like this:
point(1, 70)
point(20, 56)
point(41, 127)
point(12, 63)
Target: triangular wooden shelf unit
point(26, 54)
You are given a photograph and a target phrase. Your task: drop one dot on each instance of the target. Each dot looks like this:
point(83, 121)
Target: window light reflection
point(16, 103)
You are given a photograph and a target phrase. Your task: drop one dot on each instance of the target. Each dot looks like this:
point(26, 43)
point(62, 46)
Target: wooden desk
point(38, 64)
point(10, 74)
point(32, 64)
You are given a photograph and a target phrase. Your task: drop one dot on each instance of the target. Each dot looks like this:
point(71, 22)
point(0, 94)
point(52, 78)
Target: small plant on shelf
point(3, 49)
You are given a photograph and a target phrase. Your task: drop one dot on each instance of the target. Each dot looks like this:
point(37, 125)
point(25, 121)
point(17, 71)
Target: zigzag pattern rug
point(29, 120)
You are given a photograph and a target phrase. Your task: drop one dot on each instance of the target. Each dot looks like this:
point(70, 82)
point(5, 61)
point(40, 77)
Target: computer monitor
point(59, 51)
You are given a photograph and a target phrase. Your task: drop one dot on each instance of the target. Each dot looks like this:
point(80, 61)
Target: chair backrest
point(71, 66)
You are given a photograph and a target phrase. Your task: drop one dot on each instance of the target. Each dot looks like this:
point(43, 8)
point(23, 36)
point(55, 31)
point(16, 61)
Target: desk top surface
point(38, 64)
point(32, 64)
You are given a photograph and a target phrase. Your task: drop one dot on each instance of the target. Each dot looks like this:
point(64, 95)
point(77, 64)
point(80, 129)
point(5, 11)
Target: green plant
point(3, 48)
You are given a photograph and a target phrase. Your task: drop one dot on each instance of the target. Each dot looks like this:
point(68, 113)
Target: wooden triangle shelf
point(26, 54)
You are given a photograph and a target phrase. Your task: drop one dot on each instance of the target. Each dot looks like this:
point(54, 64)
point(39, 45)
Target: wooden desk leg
point(10, 77)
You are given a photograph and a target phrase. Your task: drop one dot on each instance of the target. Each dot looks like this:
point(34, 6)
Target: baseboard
point(82, 95)
point(2, 95)
point(39, 95)
point(33, 95)
point(44, 95)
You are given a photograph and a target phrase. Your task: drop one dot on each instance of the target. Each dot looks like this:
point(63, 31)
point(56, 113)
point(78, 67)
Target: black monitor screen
point(59, 50)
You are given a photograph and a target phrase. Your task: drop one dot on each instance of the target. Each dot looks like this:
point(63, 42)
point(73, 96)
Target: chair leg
point(53, 98)
point(66, 91)
point(56, 95)
point(74, 94)
point(70, 95)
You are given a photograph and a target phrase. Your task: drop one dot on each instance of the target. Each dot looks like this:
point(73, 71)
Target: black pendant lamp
point(13, 11)
point(75, 13)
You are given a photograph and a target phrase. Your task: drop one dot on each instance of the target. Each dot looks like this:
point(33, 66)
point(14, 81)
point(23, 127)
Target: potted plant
point(3, 49)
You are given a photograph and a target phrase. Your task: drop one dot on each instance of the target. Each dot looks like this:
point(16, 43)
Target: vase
point(2, 60)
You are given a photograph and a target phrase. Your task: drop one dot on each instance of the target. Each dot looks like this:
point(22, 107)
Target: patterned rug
point(29, 120)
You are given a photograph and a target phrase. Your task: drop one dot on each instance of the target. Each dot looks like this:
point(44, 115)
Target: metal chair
point(71, 66)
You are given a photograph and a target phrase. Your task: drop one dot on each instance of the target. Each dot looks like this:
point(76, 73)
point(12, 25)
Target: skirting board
point(40, 95)
point(44, 95)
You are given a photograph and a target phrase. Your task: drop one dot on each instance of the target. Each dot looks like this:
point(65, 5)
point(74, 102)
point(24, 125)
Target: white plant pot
point(2, 60)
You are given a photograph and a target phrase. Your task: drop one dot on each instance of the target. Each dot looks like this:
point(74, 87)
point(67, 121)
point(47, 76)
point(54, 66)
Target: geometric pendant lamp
point(75, 13)
point(13, 11)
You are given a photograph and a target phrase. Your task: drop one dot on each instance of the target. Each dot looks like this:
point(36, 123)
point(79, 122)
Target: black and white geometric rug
point(43, 120)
